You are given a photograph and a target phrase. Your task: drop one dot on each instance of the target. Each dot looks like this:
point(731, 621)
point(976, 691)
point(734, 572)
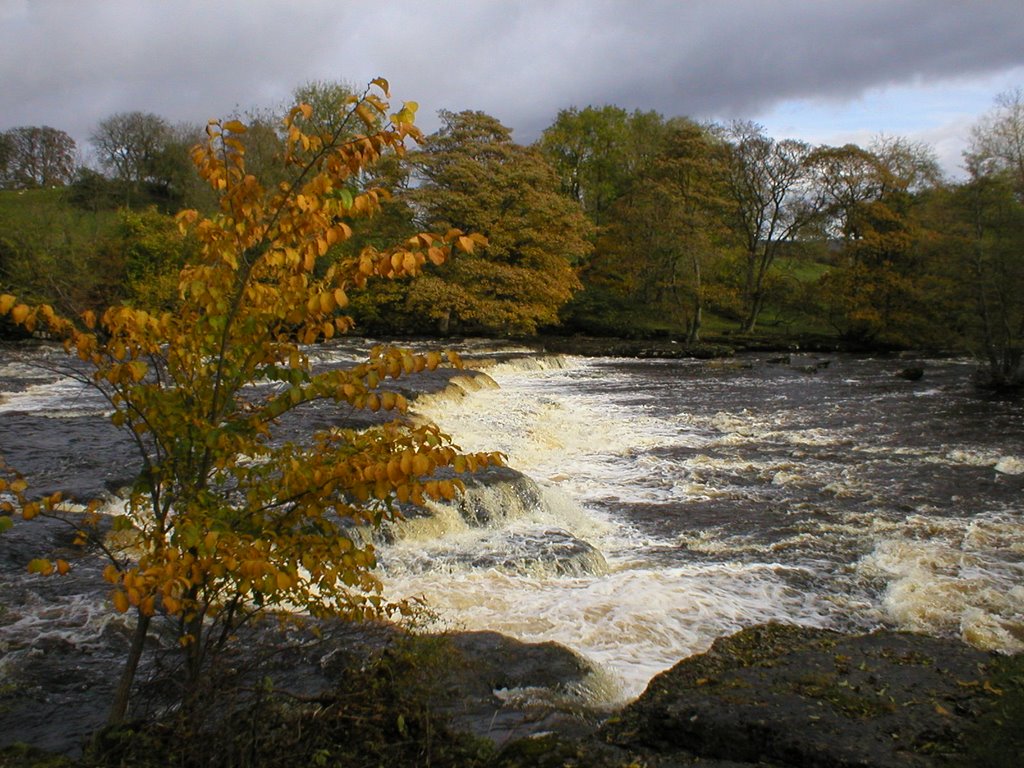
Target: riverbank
point(711, 347)
point(769, 695)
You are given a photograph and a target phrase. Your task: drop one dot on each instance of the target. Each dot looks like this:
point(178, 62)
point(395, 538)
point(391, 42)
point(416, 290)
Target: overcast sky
point(823, 71)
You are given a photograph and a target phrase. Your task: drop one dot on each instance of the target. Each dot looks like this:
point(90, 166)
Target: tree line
point(612, 223)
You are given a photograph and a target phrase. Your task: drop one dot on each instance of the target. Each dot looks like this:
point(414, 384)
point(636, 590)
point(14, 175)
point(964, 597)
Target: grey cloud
point(69, 64)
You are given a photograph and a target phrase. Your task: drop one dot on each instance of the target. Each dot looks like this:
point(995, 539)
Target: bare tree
point(130, 144)
point(36, 156)
point(997, 141)
point(769, 182)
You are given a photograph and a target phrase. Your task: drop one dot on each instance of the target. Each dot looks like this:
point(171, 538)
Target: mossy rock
point(797, 696)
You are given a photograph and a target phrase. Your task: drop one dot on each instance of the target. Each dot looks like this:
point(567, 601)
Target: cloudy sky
point(820, 70)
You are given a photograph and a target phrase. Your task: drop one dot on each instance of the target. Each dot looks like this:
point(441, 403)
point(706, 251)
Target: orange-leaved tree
point(227, 518)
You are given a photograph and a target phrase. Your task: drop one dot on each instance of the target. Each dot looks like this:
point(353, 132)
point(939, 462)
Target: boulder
point(791, 696)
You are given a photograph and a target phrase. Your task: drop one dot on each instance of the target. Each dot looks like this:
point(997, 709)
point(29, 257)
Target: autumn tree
point(997, 141)
point(668, 229)
point(36, 156)
point(228, 518)
point(471, 176)
point(871, 204)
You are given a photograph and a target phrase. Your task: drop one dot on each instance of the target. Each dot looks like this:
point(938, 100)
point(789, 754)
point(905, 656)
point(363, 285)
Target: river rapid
point(664, 504)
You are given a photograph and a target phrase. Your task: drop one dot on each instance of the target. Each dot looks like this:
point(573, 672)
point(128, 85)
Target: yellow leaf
point(63, 567)
point(6, 302)
point(120, 601)
point(19, 313)
point(421, 465)
point(41, 566)
point(235, 126)
point(365, 115)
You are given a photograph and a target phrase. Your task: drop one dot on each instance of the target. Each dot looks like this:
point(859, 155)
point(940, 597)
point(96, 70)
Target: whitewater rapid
point(713, 518)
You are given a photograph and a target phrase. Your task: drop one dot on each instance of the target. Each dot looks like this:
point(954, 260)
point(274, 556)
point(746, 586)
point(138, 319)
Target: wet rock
point(483, 683)
point(491, 495)
point(793, 696)
point(497, 493)
point(808, 363)
point(914, 373)
point(548, 552)
point(501, 688)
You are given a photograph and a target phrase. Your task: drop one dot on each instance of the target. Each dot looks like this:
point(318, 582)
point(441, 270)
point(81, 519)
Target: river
point(670, 502)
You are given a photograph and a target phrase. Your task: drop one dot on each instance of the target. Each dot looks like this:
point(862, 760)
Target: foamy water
point(635, 473)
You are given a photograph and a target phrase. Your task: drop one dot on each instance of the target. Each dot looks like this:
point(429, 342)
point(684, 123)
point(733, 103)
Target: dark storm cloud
point(69, 64)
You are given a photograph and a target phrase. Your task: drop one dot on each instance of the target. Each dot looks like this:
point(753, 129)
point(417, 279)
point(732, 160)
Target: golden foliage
point(224, 518)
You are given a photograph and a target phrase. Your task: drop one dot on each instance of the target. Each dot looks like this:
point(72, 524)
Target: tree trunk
point(694, 335)
point(750, 321)
point(698, 301)
point(124, 686)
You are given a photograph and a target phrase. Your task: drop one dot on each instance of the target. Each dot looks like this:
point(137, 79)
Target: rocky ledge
point(777, 695)
point(772, 695)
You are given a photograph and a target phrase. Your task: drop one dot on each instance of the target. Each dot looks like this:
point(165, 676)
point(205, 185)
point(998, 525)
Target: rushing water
point(727, 493)
point(673, 502)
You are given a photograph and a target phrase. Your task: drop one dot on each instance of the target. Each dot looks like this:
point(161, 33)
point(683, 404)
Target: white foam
point(634, 622)
point(61, 398)
point(1010, 465)
point(951, 576)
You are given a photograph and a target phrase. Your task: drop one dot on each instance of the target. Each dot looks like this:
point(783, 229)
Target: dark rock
point(502, 688)
point(547, 552)
point(805, 697)
point(484, 683)
point(914, 373)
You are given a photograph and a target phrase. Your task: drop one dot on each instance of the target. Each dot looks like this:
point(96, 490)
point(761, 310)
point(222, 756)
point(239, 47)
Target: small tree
point(227, 519)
